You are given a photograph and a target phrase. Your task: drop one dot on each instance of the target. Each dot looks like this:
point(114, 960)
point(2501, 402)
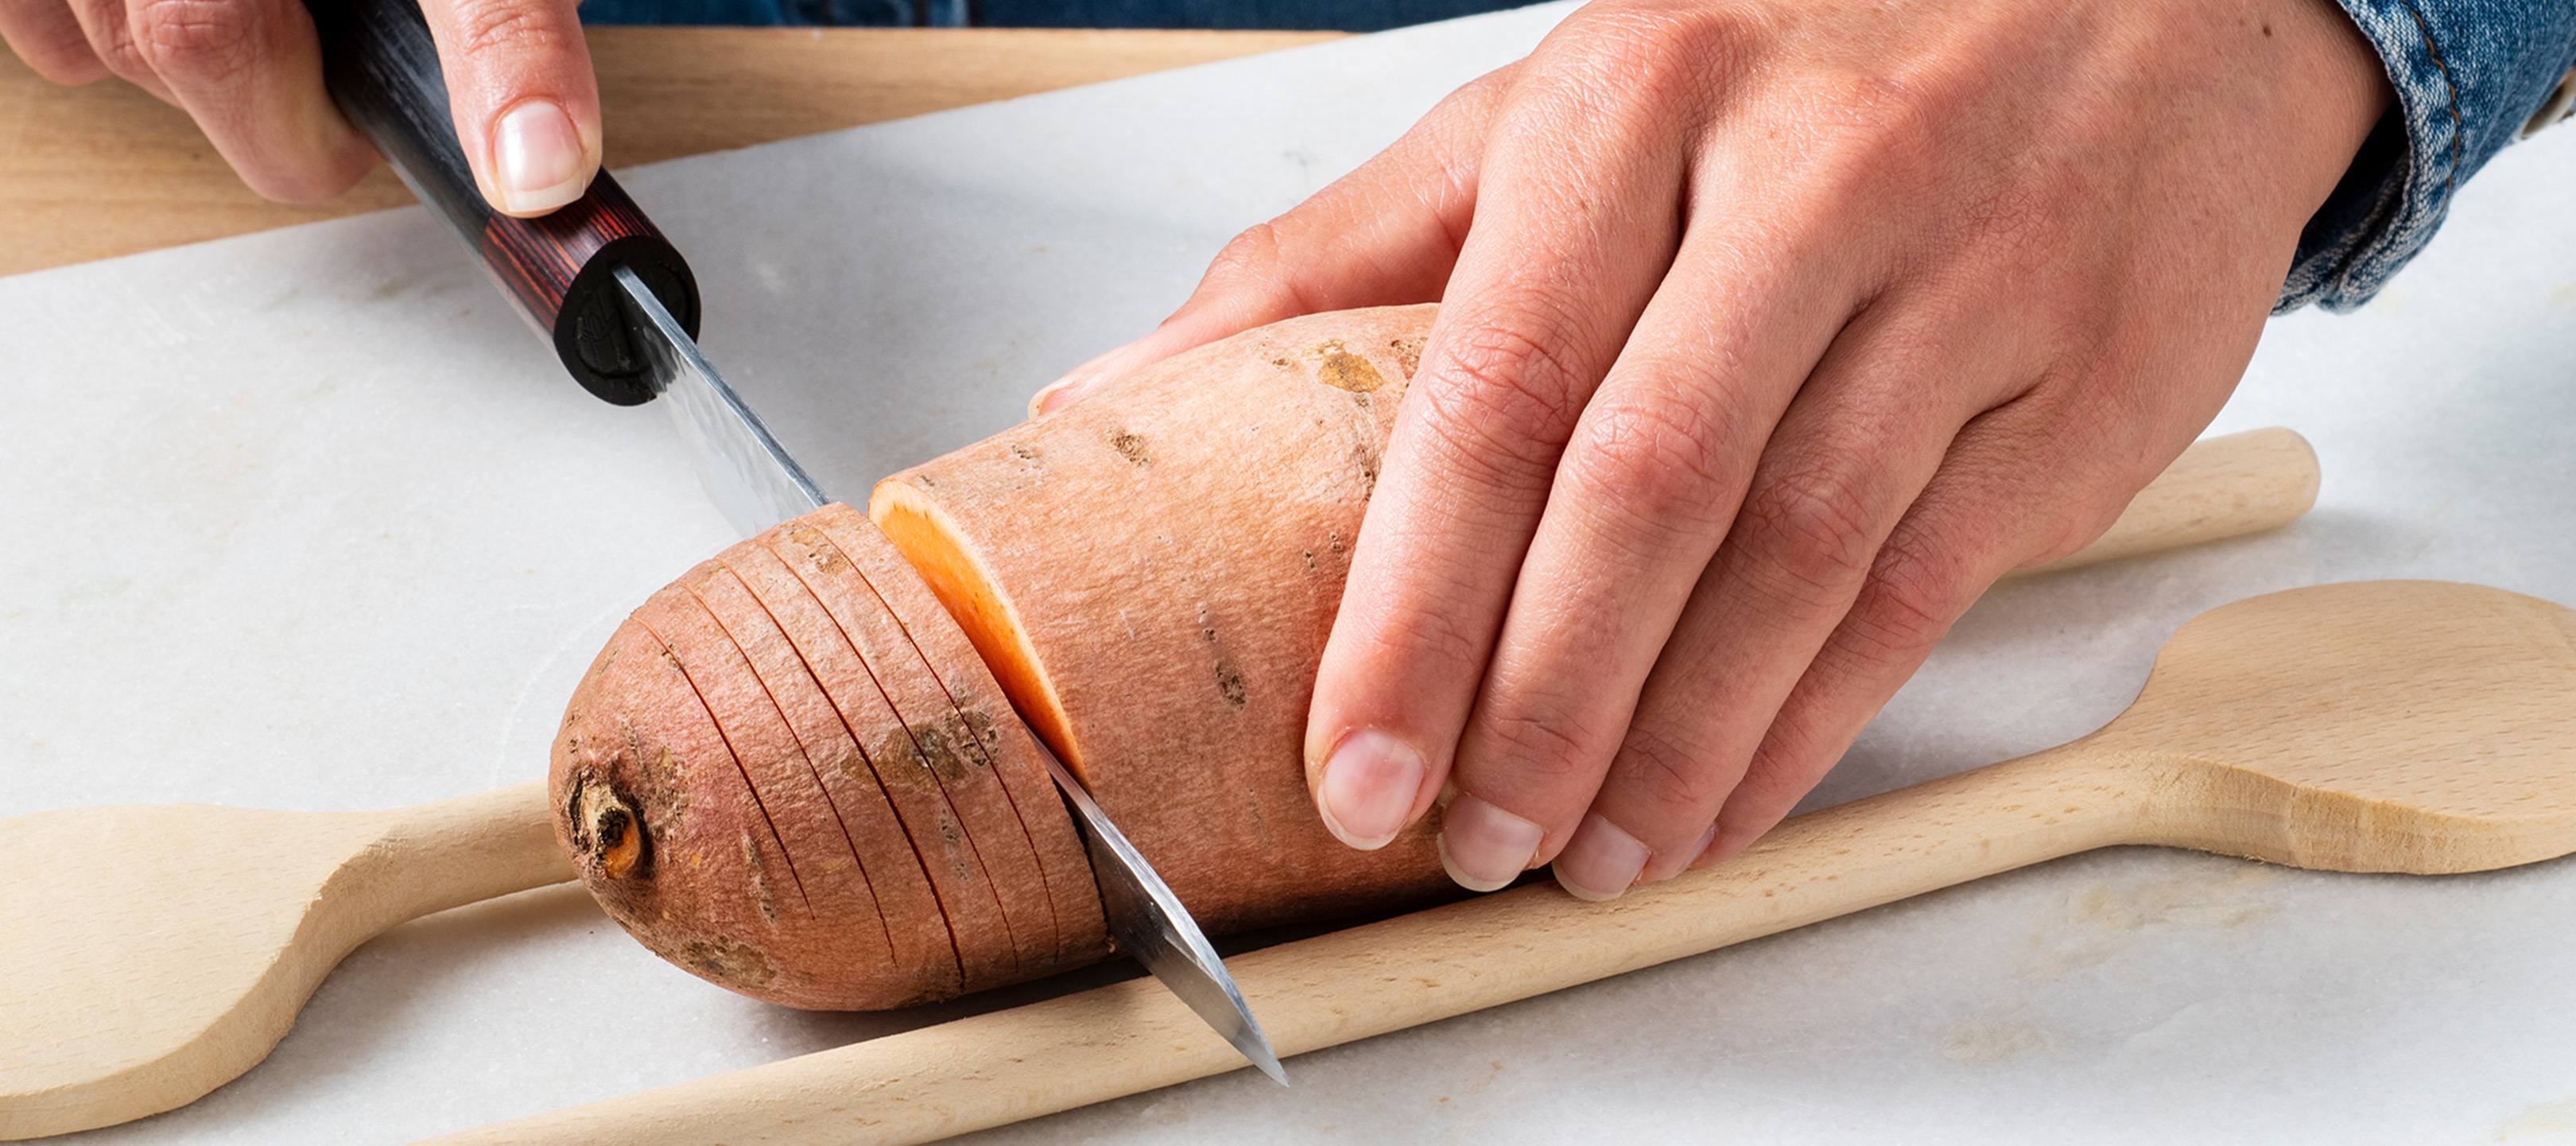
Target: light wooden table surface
point(91, 172)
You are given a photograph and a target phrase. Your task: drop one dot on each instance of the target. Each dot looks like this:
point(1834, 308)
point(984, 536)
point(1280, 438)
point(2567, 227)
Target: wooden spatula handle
point(2226, 486)
point(463, 850)
point(1134, 1036)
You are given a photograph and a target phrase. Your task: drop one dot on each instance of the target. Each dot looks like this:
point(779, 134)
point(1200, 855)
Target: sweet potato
point(847, 677)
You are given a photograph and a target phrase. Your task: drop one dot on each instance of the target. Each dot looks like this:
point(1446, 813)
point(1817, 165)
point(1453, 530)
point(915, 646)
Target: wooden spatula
point(2406, 726)
point(151, 954)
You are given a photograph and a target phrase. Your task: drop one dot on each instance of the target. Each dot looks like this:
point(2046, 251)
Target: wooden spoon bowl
point(2406, 726)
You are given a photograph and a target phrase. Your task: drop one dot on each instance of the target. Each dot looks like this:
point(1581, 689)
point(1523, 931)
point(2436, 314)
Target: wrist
point(2334, 91)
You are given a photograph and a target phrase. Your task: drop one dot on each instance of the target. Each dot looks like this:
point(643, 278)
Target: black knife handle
point(382, 69)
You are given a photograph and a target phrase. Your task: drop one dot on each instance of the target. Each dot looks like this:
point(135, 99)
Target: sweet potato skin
point(1153, 572)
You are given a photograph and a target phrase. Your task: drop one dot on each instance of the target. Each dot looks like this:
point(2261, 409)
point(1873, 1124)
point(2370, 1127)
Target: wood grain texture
point(103, 170)
point(2374, 726)
point(156, 952)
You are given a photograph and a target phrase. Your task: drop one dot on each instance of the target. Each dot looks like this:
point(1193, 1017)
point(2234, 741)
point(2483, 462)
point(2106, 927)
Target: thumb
point(1384, 234)
point(526, 105)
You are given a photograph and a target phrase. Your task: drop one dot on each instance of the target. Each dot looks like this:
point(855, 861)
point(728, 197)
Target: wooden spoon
point(155, 953)
point(2407, 726)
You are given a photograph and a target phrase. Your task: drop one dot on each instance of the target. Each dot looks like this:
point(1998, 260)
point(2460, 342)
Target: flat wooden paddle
point(154, 953)
point(2406, 726)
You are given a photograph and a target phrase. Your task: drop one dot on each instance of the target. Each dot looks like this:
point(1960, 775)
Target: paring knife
point(620, 306)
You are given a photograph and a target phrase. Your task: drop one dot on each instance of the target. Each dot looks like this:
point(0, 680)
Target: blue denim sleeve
point(2468, 75)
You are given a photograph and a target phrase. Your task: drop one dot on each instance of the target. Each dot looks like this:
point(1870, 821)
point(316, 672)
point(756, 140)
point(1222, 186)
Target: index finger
point(250, 73)
point(1575, 220)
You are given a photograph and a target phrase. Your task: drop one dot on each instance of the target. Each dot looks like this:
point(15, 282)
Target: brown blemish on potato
point(1229, 684)
point(751, 862)
point(729, 961)
point(1130, 447)
point(947, 748)
point(1024, 453)
point(818, 550)
point(1337, 367)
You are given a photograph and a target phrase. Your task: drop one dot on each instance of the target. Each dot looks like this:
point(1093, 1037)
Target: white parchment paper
point(309, 520)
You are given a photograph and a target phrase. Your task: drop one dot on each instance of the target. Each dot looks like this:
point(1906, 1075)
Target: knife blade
point(620, 306)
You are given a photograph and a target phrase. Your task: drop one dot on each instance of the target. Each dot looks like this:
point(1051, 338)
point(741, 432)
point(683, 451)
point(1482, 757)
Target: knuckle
point(1663, 772)
point(1251, 256)
point(1435, 639)
point(1656, 462)
point(1639, 62)
point(484, 26)
point(1772, 785)
point(196, 38)
point(1810, 529)
point(2064, 530)
point(1662, 43)
point(1501, 405)
point(1543, 750)
point(1913, 596)
point(66, 60)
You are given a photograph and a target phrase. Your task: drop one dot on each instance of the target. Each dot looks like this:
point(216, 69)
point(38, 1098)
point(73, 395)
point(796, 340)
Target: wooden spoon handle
point(432, 857)
point(1335, 988)
point(2226, 486)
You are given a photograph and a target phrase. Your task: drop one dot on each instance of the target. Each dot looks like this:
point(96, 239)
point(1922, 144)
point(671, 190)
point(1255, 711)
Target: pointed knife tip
point(1269, 1064)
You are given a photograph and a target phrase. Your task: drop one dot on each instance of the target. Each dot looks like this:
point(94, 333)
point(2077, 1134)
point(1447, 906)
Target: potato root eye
point(606, 832)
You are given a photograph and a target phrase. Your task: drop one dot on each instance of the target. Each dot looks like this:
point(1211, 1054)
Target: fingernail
point(1709, 851)
point(1601, 861)
point(1078, 381)
point(1367, 790)
point(538, 163)
point(1484, 847)
point(1061, 391)
point(1661, 867)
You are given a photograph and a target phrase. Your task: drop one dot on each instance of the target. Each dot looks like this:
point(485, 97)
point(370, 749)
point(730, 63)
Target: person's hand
point(1772, 332)
point(250, 73)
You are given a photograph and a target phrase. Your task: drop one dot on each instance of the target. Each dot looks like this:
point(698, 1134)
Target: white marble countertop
point(308, 520)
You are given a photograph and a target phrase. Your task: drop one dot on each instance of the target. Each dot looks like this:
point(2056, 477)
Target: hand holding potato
point(1773, 331)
